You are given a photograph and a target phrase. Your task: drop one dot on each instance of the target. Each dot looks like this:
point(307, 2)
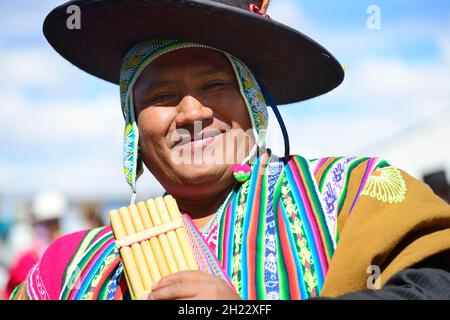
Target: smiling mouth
point(199, 141)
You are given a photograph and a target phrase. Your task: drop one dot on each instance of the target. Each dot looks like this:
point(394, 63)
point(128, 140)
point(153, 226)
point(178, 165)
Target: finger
point(182, 276)
point(168, 280)
point(173, 291)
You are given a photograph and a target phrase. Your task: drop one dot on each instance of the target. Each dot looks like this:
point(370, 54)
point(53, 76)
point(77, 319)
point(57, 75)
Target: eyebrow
point(158, 83)
point(211, 70)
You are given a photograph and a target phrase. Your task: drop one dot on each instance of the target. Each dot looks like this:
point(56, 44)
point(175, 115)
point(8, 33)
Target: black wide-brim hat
point(291, 65)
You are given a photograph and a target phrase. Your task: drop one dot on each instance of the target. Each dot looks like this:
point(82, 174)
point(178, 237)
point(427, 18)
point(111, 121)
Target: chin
point(202, 173)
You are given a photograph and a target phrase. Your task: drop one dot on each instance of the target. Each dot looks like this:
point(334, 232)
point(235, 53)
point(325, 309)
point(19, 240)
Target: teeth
point(183, 139)
point(211, 133)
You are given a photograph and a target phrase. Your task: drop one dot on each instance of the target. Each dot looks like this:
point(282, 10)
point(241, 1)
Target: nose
point(192, 110)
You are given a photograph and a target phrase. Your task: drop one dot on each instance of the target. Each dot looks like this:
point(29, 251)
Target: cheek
point(240, 114)
point(154, 123)
point(233, 108)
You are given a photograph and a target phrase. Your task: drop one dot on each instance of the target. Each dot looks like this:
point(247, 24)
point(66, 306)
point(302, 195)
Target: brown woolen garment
point(391, 236)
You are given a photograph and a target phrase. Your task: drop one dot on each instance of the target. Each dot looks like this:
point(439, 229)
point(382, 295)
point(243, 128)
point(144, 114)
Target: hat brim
point(292, 66)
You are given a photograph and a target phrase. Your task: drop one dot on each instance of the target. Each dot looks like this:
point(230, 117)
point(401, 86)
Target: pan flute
point(152, 243)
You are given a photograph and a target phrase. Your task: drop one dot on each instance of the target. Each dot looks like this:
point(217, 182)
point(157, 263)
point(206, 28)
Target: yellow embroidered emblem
point(386, 184)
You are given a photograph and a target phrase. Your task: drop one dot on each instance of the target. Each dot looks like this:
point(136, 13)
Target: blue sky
point(61, 128)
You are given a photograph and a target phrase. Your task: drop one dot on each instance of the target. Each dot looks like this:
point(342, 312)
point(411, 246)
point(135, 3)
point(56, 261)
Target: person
point(438, 183)
point(90, 212)
point(46, 210)
point(195, 80)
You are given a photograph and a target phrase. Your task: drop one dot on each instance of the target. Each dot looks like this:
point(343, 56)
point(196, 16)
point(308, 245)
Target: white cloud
point(396, 81)
point(55, 123)
point(89, 177)
point(406, 91)
point(72, 146)
point(290, 12)
point(32, 67)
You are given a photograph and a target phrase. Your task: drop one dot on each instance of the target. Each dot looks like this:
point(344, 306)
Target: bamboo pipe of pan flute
point(146, 248)
point(167, 250)
point(136, 249)
point(132, 274)
point(173, 239)
point(155, 244)
point(174, 213)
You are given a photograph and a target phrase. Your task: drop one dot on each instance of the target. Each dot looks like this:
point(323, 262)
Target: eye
point(162, 97)
point(214, 85)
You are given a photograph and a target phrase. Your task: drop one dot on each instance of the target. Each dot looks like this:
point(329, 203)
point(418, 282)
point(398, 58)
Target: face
point(193, 122)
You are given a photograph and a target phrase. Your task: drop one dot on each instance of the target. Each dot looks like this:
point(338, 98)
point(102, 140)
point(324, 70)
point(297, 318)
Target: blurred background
point(61, 129)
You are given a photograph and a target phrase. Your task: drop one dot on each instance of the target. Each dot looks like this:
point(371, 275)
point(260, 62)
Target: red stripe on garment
point(289, 261)
point(253, 230)
point(312, 215)
point(122, 288)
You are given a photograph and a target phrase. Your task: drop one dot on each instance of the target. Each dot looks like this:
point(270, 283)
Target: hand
point(192, 285)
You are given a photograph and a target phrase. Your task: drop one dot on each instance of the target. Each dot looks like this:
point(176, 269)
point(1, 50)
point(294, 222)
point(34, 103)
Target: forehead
point(201, 61)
